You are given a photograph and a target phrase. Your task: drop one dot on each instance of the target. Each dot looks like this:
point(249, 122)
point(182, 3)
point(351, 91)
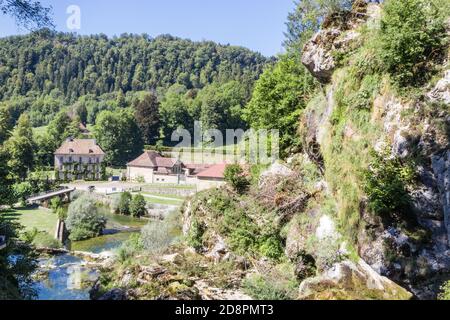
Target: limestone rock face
point(317, 54)
point(351, 281)
point(441, 168)
point(219, 250)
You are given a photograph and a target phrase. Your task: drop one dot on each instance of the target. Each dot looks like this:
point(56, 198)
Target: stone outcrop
point(351, 281)
point(276, 169)
point(317, 54)
point(441, 168)
point(441, 92)
point(338, 36)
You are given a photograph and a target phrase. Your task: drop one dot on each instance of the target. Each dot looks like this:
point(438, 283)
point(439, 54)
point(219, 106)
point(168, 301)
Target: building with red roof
point(78, 159)
point(152, 167)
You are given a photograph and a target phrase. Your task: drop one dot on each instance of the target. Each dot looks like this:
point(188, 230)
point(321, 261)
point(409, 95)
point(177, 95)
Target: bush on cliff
point(413, 34)
point(385, 184)
point(234, 175)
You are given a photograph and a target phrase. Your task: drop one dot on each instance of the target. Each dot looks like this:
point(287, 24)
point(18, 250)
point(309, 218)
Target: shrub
point(234, 175)
point(140, 179)
point(156, 236)
point(55, 204)
point(22, 191)
point(84, 220)
point(44, 240)
point(278, 284)
point(195, 238)
point(124, 204)
point(240, 230)
point(114, 203)
point(61, 212)
point(103, 173)
point(259, 288)
point(326, 252)
point(40, 239)
point(272, 248)
point(130, 247)
point(385, 184)
point(138, 206)
point(77, 194)
point(412, 33)
point(445, 294)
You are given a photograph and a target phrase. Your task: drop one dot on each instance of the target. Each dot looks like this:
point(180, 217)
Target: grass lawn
point(41, 219)
point(171, 196)
point(153, 200)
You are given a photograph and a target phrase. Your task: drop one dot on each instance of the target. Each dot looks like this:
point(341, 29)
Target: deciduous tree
point(147, 118)
point(19, 148)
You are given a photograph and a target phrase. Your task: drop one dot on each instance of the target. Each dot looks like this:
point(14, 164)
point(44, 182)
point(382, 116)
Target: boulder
point(175, 258)
point(351, 281)
point(219, 251)
point(276, 169)
point(441, 92)
point(114, 295)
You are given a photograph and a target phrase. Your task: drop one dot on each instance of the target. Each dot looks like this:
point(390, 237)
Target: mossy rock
point(182, 291)
point(350, 281)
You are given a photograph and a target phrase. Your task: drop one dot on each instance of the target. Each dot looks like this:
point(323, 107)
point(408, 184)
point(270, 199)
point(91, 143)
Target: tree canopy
point(78, 65)
point(279, 98)
point(28, 13)
point(119, 135)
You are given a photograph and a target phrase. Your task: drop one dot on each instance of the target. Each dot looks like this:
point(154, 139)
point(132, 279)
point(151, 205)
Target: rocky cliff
point(414, 253)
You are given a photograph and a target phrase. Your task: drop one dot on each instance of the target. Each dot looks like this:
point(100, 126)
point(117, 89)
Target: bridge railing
point(37, 195)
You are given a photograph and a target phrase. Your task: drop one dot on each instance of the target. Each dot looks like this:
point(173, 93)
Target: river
point(65, 277)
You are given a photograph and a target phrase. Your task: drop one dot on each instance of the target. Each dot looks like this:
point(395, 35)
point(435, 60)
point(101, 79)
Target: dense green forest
point(44, 72)
point(78, 65)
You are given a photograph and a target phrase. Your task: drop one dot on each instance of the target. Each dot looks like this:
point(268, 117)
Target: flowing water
point(64, 277)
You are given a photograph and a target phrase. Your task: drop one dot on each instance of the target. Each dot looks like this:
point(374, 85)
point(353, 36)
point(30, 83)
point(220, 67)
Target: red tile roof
point(80, 147)
point(152, 159)
point(214, 171)
point(195, 169)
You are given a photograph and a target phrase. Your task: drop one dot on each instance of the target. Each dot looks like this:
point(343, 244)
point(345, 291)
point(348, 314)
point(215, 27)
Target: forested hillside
point(45, 71)
point(77, 66)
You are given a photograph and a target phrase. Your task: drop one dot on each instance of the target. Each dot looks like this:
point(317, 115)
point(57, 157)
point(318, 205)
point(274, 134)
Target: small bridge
point(45, 197)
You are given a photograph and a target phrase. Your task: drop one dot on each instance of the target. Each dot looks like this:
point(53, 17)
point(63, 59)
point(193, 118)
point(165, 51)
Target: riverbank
point(69, 273)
